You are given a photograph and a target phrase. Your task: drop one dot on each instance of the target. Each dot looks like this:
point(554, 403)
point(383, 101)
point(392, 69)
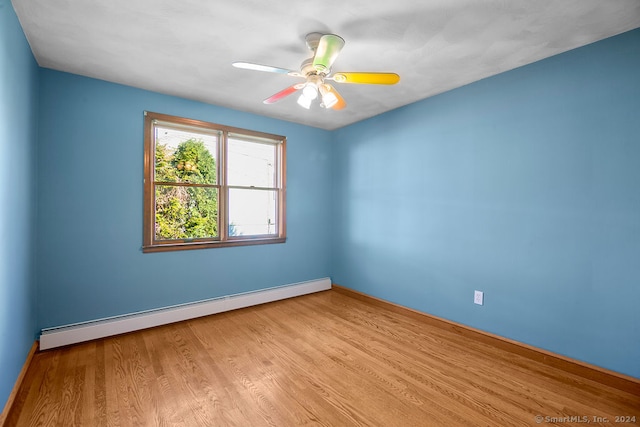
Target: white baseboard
point(86, 331)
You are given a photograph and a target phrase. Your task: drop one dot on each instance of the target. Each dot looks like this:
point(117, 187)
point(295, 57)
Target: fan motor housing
point(312, 40)
point(306, 68)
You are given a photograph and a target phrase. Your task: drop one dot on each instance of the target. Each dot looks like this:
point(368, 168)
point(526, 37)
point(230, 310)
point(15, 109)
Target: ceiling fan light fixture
point(329, 99)
point(310, 91)
point(304, 102)
point(316, 71)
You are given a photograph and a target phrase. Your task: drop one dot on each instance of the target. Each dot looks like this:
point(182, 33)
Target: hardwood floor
point(321, 359)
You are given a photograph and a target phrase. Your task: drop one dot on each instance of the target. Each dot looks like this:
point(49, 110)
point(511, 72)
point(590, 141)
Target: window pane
point(251, 164)
point(185, 156)
point(252, 212)
point(186, 212)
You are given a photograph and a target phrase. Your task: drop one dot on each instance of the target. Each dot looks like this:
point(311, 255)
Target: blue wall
point(525, 185)
point(18, 137)
point(90, 163)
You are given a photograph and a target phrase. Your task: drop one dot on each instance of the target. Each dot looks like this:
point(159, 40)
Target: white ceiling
point(185, 48)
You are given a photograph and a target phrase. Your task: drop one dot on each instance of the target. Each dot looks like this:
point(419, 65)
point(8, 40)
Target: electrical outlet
point(478, 297)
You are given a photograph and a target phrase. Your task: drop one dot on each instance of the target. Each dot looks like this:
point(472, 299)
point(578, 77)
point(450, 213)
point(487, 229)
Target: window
point(208, 185)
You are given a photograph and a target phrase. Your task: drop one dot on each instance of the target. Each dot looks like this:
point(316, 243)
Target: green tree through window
point(186, 212)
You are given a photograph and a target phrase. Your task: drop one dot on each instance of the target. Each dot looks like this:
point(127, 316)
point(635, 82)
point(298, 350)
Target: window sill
point(183, 246)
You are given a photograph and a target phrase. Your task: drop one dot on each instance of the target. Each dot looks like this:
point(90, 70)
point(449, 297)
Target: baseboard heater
point(86, 331)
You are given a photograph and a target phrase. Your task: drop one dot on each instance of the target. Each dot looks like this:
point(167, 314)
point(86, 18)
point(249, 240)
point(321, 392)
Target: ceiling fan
point(317, 71)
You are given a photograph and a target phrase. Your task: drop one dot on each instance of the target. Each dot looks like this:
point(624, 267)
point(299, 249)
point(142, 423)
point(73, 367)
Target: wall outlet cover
point(478, 297)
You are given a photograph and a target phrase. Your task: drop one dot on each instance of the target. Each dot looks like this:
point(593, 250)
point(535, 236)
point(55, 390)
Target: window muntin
point(209, 185)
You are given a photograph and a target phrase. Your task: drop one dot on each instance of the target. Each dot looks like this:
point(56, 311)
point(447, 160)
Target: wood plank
point(581, 369)
point(12, 396)
point(324, 359)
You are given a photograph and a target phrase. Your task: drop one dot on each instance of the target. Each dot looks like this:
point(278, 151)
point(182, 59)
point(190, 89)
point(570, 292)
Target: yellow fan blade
point(367, 78)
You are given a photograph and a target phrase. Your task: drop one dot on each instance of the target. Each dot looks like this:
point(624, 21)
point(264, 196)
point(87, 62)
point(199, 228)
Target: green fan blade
point(327, 51)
